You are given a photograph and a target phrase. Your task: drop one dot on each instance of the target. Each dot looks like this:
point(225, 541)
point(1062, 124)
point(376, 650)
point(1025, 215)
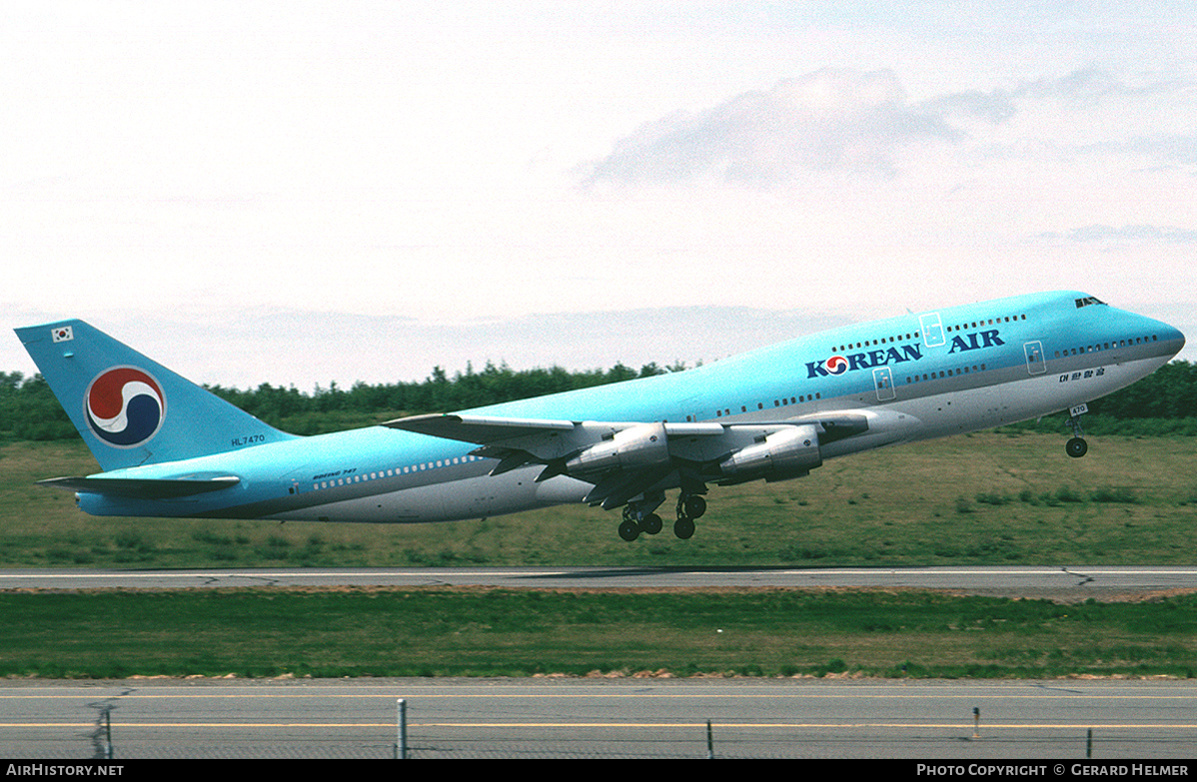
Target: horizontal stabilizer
point(144, 488)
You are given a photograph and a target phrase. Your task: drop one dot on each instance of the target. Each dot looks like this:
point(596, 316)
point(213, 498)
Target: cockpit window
point(1085, 302)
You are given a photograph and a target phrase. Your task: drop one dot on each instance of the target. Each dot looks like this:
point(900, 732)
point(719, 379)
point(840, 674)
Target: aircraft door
point(1034, 354)
point(883, 381)
point(933, 333)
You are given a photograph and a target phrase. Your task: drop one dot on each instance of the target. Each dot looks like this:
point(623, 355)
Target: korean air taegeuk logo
point(124, 406)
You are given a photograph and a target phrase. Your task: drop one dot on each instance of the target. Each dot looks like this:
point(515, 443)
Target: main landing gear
point(638, 517)
point(689, 508)
point(1076, 447)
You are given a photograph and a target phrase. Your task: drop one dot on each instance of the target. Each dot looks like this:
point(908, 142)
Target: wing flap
point(616, 488)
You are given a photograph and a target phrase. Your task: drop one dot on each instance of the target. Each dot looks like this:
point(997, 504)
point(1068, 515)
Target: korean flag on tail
point(63, 334)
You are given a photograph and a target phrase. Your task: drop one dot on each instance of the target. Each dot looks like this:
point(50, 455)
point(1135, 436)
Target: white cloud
point(418, 163)
point(1134, 234)
point(832, 119)
point(849, 120)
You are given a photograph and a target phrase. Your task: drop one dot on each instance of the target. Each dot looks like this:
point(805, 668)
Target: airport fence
point(619, 738)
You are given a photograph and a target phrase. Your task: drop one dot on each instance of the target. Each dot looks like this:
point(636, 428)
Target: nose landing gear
point(1076, 447)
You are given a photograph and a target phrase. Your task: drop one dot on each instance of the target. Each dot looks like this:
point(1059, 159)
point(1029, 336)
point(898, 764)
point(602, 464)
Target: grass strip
point(991, 498)
point(269, 632)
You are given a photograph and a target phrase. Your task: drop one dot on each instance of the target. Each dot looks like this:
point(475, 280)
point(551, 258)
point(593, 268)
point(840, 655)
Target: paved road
point(1065, 582)
point(604, 719)
point(612, 718)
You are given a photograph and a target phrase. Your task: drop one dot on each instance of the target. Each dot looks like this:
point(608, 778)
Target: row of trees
point(1170, 393)
point(29, 411)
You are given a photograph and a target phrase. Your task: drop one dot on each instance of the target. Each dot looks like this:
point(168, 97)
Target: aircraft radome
point(170, 448)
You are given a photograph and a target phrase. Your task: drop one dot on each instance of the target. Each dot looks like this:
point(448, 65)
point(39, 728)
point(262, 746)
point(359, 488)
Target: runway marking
point(277, 575)
point(1046, 570)
point(638, 693)
point(608, 725)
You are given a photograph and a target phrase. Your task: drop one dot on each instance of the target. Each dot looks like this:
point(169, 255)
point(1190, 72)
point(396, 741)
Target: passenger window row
point(980, 324)
point(911, 379)
point(779, 402)
point(871, 343)
point(976, 324)
point(1122, 343)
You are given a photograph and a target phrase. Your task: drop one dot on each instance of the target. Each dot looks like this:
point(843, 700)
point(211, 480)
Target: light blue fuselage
point(918, 376)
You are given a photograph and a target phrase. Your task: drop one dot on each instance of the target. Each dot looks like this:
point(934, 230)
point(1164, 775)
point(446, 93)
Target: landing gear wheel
point(1076, 447)
point(651, 524)
point(694, 506)
point(684, 528)
point(629, 530)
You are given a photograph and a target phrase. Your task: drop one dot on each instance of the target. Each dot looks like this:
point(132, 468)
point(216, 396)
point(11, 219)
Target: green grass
point(994, 498)
point(990, 498)
point(491, 632)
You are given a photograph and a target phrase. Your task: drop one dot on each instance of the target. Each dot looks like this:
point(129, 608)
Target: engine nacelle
point(788, 453)
point(644, 445)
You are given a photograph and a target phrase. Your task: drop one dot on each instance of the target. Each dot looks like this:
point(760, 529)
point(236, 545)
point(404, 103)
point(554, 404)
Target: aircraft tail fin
point(131, 410)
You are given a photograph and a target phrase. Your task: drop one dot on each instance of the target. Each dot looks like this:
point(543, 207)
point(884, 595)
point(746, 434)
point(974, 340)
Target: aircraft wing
point(545, 438)
point(479, 429)
point(513, 441)
point(144, 488)
point(624, 459)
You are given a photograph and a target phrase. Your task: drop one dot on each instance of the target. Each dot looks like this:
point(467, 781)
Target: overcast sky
point(305, 192)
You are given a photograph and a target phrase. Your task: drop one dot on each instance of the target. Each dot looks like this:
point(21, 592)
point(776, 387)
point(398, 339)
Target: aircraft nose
point(1171, 339)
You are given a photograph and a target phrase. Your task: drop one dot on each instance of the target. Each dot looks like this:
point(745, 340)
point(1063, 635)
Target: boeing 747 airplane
point(170, 448)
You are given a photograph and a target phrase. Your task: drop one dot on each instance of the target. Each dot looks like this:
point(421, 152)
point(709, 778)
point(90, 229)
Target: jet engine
point(788, 453)
point(637, 447)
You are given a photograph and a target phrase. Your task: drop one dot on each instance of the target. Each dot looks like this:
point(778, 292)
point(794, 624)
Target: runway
point(1065, 582)
point(594, 719)
point(612, 718)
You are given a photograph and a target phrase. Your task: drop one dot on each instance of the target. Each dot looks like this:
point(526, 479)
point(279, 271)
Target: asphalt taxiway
point(595, 719)
point(1064, 582)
